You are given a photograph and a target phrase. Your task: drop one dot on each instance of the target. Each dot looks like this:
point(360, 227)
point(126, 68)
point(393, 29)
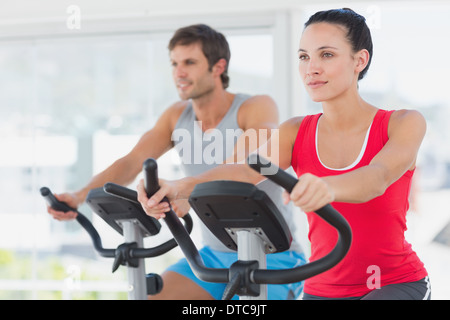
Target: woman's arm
point(406, 131)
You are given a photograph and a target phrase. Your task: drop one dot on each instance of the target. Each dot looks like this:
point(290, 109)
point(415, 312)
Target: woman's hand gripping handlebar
point(327, 213)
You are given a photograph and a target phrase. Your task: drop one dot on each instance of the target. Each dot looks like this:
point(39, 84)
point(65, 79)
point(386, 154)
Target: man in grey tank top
point(206, 112)
point(195, 158)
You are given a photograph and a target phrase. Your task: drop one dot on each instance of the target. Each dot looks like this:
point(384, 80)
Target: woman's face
point(327, 63)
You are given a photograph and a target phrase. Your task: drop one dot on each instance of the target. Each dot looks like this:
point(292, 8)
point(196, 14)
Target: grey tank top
point(200, 151)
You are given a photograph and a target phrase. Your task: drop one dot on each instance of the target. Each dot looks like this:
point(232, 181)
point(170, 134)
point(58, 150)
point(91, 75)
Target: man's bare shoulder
point(178, 107)
point(171, 115)
point(262, 99)
point(257, 111)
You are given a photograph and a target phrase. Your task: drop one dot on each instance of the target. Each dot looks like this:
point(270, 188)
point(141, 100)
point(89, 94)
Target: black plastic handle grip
point(121, 192)
point(181, 236)
point(328, 213)
point(81, 219)
point(55, 203)
point(280, 177)
point(151, 182)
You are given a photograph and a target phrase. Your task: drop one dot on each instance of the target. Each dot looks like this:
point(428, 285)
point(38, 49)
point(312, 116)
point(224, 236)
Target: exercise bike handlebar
point(81, 219)
point(131, 195)
point(187, 246)
point(327, 213)
point(283, 276)
point(126, 194)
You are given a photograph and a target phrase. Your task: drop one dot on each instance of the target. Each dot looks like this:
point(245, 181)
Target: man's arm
point(123, 171)
point(258, 118)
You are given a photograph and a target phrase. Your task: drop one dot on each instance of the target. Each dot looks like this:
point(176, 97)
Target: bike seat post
point(251, 248)
point(136, 275)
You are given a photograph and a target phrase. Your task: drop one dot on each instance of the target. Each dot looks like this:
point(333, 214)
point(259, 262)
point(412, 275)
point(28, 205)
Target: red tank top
point(378, 246)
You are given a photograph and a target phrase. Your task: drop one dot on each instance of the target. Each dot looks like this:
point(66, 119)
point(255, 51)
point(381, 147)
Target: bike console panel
point(228, 206)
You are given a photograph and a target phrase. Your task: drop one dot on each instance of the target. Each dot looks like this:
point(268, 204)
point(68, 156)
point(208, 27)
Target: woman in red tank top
point(353, 155)
point(358, 158)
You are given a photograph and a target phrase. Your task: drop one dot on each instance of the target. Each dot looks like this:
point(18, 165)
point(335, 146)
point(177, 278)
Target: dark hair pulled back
point(358, 33)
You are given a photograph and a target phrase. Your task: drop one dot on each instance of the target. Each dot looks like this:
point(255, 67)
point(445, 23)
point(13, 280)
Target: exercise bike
point(124, 213)
point(245, 219)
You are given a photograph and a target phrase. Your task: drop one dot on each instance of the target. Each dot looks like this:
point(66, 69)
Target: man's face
point(190, 70)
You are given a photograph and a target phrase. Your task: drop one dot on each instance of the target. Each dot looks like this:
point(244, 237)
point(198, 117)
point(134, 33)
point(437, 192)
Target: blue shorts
point(218, 259)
